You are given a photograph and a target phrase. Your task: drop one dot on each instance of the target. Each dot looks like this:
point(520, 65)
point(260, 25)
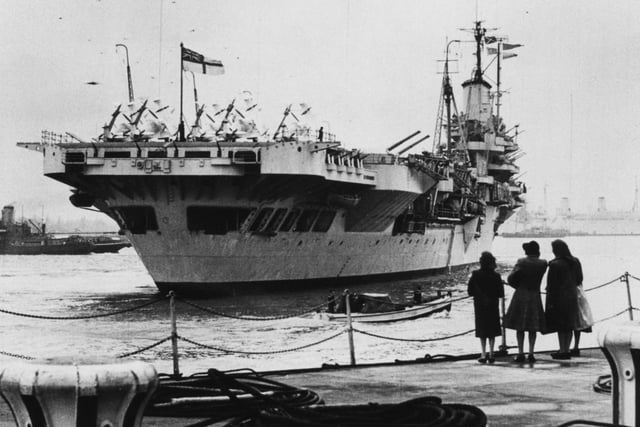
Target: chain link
point(143, 349)
point(611, 317)
point(415, 339)
point(89, 316)
point(233, 316)
point(225, 350)
point(17, 356)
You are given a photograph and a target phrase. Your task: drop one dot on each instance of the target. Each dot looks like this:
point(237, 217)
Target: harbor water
point(88, 285)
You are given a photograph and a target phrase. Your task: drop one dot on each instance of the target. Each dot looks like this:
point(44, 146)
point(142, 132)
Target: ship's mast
point(478, 34)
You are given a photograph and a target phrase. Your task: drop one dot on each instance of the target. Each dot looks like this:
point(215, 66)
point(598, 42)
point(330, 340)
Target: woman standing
point(564, 313)
point(486, 288)
point(525, 313)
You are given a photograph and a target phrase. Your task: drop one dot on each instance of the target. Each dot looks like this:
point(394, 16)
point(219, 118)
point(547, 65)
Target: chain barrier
point(16, 356)
point(143, 349)
point(89, 316)
point(611, 317)
point(415, 339)
point(617, 279)
point(258, 318)
point(349, 329)
point(225, 350)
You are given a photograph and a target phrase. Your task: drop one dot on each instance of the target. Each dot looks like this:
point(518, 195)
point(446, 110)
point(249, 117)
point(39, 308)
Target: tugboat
point(20, 239)
point(27, 238)
point(220, 206)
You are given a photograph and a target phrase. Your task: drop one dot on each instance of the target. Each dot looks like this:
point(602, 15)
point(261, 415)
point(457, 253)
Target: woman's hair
point(561, 249)
point(487, 261)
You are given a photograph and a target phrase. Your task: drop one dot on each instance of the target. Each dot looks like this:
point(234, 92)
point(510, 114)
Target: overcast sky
point(367, 68)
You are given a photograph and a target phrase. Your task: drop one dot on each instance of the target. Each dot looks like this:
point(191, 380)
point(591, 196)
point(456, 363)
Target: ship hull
point(238, 263)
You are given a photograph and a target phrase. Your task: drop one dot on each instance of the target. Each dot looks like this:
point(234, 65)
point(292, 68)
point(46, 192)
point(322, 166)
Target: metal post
point(174, 334)
point(352, 352)
point(503, 347)
point(625, 278)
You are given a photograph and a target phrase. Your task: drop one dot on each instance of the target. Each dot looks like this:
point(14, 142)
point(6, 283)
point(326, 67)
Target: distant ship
point(19, 238)
point(566, 222)
point(219, 210)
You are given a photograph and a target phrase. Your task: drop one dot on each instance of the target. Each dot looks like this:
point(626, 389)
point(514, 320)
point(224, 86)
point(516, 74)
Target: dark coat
point(486, 288)
point(525, 311)
point(563, 312)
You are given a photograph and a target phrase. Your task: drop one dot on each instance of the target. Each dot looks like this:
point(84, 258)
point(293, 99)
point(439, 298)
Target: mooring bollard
point(62, 392)
point(621, 346)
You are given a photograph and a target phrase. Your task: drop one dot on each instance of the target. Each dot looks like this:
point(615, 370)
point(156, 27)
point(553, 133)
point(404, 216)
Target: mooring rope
point(226, 350)
point(88, 316)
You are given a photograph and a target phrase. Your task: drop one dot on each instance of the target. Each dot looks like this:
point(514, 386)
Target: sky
point(368, 69)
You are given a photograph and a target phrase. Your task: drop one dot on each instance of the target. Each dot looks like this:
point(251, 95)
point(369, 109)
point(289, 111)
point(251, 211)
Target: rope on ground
point(88, 316)
point(233, 316)
point(17, 356)
point(415, 339)
point(611, 317)
point(143, 349)
point(226, 350)
point(617, 279)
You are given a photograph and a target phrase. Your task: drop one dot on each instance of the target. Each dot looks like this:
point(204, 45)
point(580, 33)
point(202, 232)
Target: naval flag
point(198, 63)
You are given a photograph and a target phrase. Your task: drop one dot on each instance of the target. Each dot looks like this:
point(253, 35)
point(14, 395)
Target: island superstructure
point(216, 211)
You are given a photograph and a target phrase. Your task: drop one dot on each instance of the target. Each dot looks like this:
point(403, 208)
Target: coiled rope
point(420, 412)
point(220, 395)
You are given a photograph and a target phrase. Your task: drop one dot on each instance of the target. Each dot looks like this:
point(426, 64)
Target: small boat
point(378, 307)
point(108, 244)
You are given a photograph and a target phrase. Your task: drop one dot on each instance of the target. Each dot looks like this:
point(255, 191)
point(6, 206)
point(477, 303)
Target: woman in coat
point(564, 311)
point(486, 288)
point(525, 313)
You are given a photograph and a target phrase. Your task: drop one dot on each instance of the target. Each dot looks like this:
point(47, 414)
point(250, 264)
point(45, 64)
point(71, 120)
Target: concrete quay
point(547, 393)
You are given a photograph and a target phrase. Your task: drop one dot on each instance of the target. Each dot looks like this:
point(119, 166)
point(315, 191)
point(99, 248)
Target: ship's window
point(306, 220)
point(157, 154)
point(116, 154)
point(244, 156)
point(138, 219)
point(192, 154)
point(324, 221)
point(261, 219)
point(276, 219)
point(290, 220)
point(216, 220)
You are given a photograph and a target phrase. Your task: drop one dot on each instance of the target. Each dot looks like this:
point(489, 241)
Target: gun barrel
point(402, 141)
point(413, 145)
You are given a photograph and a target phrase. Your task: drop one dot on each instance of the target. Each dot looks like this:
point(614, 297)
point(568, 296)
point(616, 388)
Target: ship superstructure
point(219, 210)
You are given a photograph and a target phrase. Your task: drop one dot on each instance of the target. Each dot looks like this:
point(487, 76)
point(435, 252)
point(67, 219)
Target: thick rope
point(233, 316)
point(88, 316)
point(226, 350)
point(143, 349)
point(415, 339)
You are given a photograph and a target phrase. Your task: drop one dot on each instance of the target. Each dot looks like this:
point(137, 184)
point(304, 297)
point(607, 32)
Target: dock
point(547, 393)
